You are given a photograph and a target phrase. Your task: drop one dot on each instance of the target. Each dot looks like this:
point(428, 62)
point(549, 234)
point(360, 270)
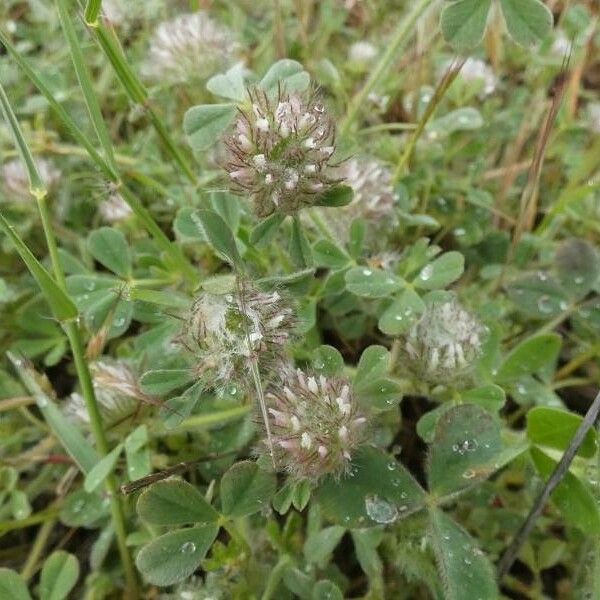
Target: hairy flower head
point(117, 391)
point(191, 46)
point(444, 344)
point(14, 179)
point(476, 71)
point(374, 197)
point(315, 423)
point(114, 208)
point(226, 330)
point(280, 151)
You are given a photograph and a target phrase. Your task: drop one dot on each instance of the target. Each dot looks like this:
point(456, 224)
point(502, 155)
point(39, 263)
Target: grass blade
point(92, 10)
point(71, 439)
point(85, 82)
point(61, 305)
point(137, 93)
point(63, 115)
point(36, 184)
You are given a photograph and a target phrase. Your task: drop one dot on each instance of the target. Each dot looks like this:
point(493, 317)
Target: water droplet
point(90, 286)
point(563, 305)
point(188, 548)
point(426, 272)
point(42, 401)
point(579, 280)
point(544, 305)
point(380, 510)
point(469, 474)
point(367, 272)
point(542, 276)
point(391, 466)
point(465, 446)
point(521, 388)
point(459, 231)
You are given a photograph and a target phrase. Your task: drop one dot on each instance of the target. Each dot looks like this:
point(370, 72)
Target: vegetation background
point(400, 198)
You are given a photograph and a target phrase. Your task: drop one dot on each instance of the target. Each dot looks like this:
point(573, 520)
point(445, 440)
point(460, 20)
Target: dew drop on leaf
point(544, 305)
point(380, 510)
point(426, 272)
point(188, 548)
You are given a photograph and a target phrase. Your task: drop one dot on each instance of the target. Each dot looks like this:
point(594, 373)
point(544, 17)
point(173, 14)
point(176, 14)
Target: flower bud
point(191, 46)
point(444, 344)
point(226, 330)
point(117, 392)
point(374, 198)
point(315, 424)
point(280, 152)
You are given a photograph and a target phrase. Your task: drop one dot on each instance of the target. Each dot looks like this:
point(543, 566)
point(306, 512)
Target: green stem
point(596, 541)
point(107, 170)
point(403, 32)
point(441, 89)
point(85, 82)
point(50, 239)
point(41, 539)
point(35, 519)
point(64, 116)
point(275, 577)
point(137, 93)
point(87, 391)
point(171, 249)
point(321, 224)
point(92, 10)
point(216, 418)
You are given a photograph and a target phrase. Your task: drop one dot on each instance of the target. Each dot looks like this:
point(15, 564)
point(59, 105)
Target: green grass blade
point(61, 305)
point(63, 115)
point(404, 29)
point(85, 82)
point(137, 93)
point(71, 439)
point(109, 171)
point(36, 184)
point(92, 10)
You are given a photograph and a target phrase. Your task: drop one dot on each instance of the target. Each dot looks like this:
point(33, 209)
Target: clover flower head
point(476, 69)
point(443, 345)
point(114, 12)
point(362, 53)
point(225, 331)
point(315, 424)
point(280, 151)
point(371, 181)
point(15, 180)
point(117, 391)
point(114, 208)
point(118, 13)
point(191, 46)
